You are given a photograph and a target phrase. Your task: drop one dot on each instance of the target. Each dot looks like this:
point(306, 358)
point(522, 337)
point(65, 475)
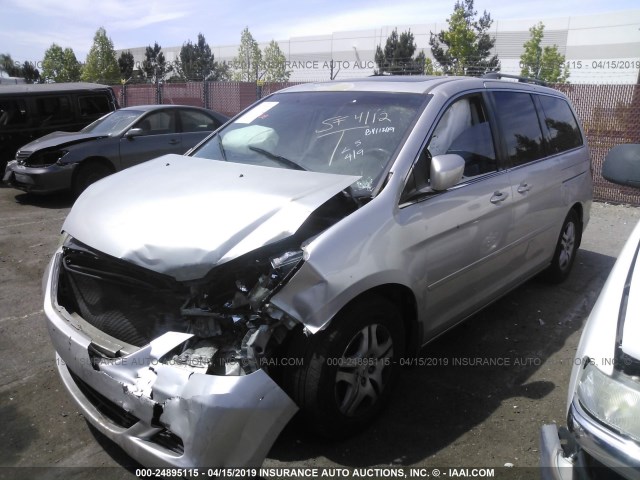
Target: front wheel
point(348, 370)
point(566, 249)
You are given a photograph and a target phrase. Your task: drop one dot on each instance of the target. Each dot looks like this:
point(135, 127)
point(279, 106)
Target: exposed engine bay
point(235, 329)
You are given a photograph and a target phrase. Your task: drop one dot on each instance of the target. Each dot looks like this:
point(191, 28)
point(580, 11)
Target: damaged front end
point(180, 372)
point(166, 370)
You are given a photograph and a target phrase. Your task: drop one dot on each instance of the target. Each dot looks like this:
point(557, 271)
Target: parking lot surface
point(476, 397)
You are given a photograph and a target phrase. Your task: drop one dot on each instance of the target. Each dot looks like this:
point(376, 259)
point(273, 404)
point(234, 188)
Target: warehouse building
point(603, 48)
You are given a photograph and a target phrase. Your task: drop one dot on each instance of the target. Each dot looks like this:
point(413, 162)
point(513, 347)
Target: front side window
point(350, 133)
point(157, 123)
point(463, 130)
point(520, 127)
point(564, 133)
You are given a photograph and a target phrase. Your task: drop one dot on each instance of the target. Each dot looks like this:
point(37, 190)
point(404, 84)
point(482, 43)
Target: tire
point(347, 371)
point(566, 249)
point(87, 174)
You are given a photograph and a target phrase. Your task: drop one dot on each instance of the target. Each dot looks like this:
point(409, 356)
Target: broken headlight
point(45, 158)
point(613, 400)
point(281, 266)
point(235, 329)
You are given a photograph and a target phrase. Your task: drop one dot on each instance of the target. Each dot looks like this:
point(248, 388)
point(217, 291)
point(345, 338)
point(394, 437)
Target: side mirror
point(134, 132)
point(622, 165)
point(446, 171)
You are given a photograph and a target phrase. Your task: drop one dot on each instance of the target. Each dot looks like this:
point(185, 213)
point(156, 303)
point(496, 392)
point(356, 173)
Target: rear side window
point(520, 126)
point(194, 121)
point(564, 133)
point(93, 105)
point(12, 113)
point(52, 110)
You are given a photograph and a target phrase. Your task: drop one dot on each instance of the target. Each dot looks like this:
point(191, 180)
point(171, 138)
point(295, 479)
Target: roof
point(162, 106)
point(149, 108)
point(380, 83)
point(413, 84)
point(50, 87)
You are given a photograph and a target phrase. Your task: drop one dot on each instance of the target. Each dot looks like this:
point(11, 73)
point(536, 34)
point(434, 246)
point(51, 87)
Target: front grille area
point(106, 407)
point(122, 300)
point(168, 440)
point(124, 419)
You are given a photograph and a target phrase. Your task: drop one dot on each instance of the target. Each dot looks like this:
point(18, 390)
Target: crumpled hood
point(59, 139)
point(183, 215)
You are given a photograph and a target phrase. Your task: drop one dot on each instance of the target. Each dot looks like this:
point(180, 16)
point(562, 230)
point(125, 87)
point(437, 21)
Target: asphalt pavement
point(476, 397)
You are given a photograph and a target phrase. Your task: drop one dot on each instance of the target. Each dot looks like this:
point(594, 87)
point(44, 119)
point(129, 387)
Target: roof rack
point(498, 75)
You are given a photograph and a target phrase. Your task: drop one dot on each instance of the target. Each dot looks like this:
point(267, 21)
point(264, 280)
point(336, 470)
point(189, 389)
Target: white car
point(603, 405)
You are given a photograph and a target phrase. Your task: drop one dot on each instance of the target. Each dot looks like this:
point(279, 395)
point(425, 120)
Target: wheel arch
point(405, 301)
point(85, 164)
point(95, 159)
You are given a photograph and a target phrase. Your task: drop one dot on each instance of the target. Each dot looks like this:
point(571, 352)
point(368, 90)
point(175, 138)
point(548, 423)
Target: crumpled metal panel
point(181, 216)
point(227, 421)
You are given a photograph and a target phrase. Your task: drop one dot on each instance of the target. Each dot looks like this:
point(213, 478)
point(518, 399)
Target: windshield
point(350, 133)
point(113, 122)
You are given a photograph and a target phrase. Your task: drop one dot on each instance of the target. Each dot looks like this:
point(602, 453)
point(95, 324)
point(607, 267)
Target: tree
point(155, 67)
point(60, 65)
point(30, 73)
point(27, 70)
point(248, 61)
point(9, 66)
point(101, 65)
point(465, 48)
point(397, 56)
point(430, 68)
point(126, 65)
point(197, 62)
point(275, 64)
point(546, 63)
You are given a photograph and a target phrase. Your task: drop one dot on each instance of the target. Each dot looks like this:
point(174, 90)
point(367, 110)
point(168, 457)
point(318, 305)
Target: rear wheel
point(566, 249)
point(348, 370)
point(89, 173)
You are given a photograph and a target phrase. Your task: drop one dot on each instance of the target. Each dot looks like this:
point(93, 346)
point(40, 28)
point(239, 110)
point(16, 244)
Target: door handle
point(173, 141)
point(498, 197)
point(524, 187)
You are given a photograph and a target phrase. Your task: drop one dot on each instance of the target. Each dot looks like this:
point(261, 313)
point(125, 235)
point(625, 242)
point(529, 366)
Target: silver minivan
point(299, 255)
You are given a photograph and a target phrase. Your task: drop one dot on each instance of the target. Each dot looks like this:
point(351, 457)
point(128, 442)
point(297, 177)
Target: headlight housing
point(613, 400)
point(45, 158)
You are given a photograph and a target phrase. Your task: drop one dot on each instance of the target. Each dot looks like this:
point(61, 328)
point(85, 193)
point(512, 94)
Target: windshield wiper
point(279, 158)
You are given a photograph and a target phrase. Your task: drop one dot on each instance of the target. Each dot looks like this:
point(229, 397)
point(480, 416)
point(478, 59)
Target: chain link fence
point(610, 114)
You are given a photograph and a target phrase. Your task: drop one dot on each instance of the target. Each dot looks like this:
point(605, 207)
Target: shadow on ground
point(54, 201)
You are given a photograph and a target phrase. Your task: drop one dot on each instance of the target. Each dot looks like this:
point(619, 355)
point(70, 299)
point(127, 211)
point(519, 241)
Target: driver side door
point(159, 137)
point(459, 239)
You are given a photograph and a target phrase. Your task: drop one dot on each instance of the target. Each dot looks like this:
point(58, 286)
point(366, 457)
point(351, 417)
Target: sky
point(29, 27)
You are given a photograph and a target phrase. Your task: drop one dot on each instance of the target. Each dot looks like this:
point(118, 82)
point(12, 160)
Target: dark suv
point(28, 112)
